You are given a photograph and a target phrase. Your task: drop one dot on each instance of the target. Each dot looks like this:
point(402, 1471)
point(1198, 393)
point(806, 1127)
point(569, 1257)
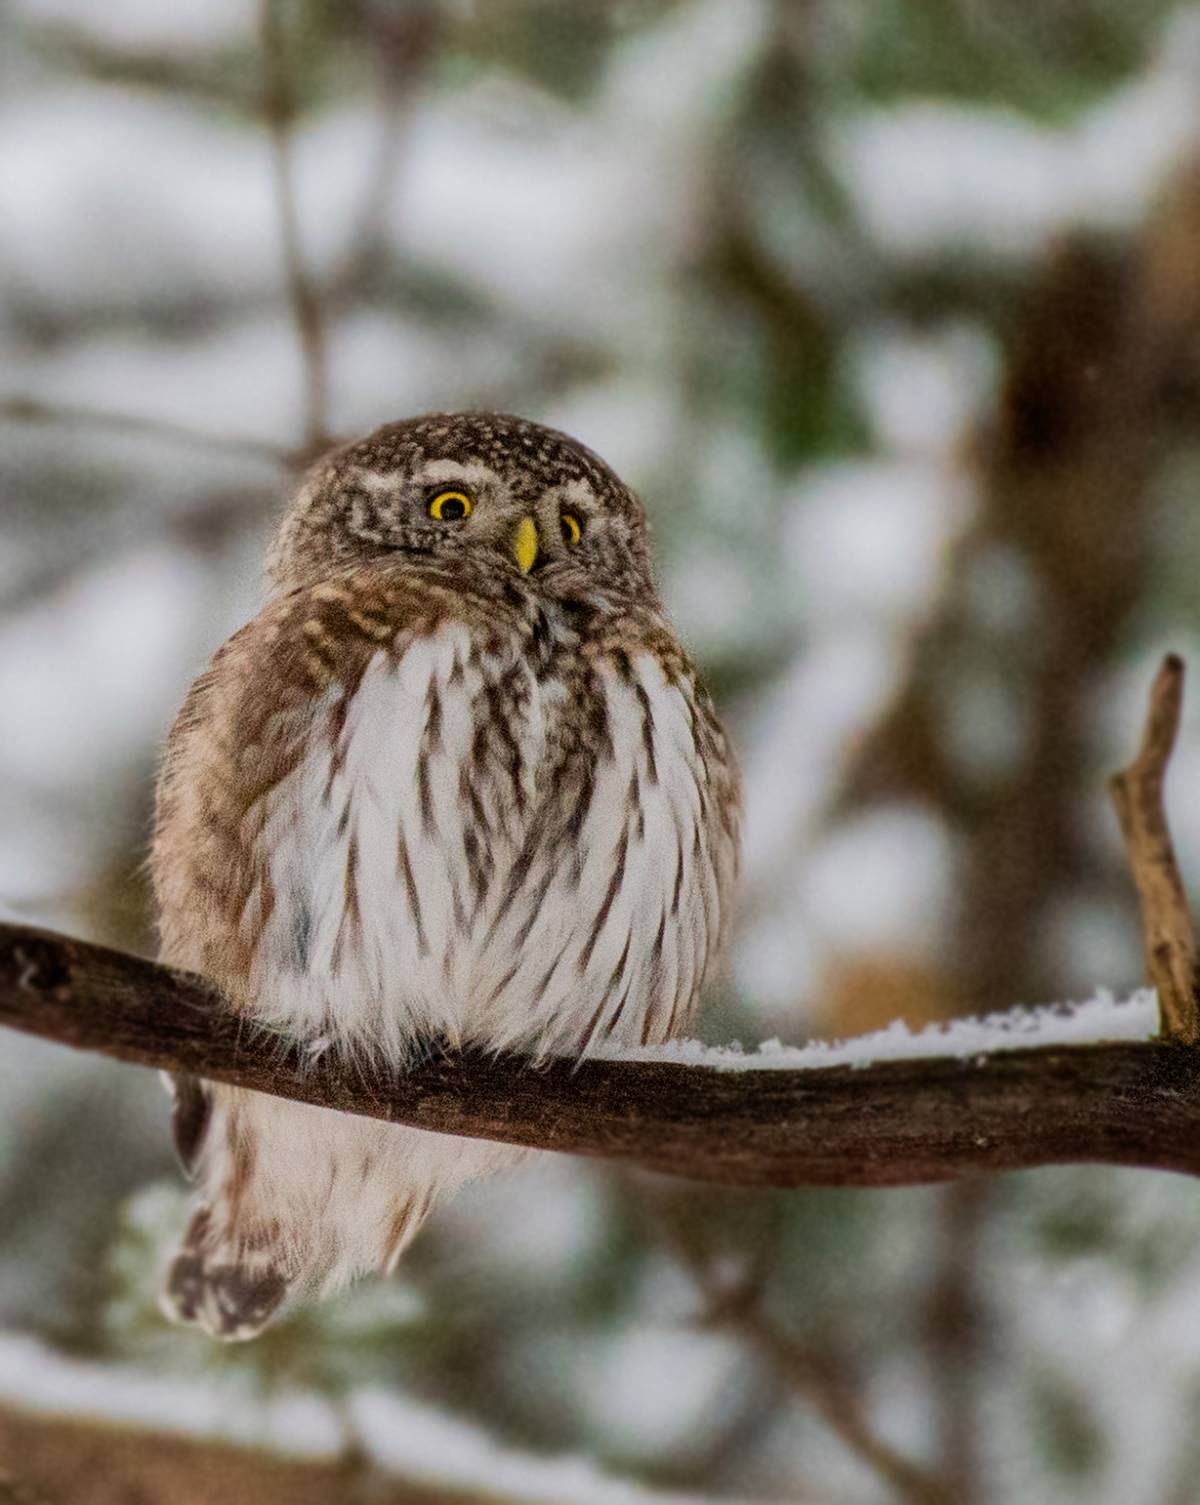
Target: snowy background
point(890, 309)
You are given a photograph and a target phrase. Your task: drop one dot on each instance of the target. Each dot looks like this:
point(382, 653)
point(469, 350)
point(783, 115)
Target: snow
point(404, 1436)
point(922, 393)
point(569, 217)
point(36, 1378)
point(74, 662)
point(665, 81)
point(79, 155)
point(427, 1446)
point(146, 24)
point(1120, 1312)
point(878, 883)
point(240, 379)
point(987, 734)
point(870, 539)
point(1102, 1018)
point(793, 750)
point(862, 550)
point(525, 205)
point(631, 417)
point(650, 1388)
point(382, 366)
point(541, 1224)
point(1001, 591)
point(711, 594)
point(929, 175)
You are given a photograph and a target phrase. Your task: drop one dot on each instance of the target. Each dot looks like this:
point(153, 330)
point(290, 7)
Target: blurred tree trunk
point(1100, 376)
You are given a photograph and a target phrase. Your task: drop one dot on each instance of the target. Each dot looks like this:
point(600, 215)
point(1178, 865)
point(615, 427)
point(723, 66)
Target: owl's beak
point(525, 544)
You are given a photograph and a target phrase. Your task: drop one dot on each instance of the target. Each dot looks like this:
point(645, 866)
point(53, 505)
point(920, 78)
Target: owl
point(457, 782)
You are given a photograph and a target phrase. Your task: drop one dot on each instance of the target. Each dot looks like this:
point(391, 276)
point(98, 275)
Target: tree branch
point(279, 111)
point(890, 1124)
point(402, 43)
point(734, 1303)
point(815, 1380)
point(955, 1336)
point(1137, 793)
point(18, 408)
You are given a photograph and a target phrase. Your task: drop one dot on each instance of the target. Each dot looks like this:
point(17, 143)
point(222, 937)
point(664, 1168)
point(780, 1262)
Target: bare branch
point(816, 1381)
point(278, 108)
point(955, 1330)
point(1137, 793)
point(401, 43)
point(20, 409)
point(891, 1124)
point(734, 1305)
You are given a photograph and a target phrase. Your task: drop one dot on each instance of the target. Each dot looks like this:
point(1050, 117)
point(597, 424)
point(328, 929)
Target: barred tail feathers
point(300, 1199)
point(230, 1297)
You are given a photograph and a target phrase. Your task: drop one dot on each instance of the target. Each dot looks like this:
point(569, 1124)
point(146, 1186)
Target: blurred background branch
point(32, 410)
point(307, 310)
point(732, 1292)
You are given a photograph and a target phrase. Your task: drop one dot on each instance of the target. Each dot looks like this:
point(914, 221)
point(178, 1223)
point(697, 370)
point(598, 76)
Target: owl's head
point(489, 491)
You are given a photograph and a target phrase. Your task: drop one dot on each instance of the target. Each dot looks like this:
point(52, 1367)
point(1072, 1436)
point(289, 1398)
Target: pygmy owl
point(456, 781)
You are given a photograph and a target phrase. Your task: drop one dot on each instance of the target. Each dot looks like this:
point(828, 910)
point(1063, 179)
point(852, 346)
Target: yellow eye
point(451, 506)
point(572, 529)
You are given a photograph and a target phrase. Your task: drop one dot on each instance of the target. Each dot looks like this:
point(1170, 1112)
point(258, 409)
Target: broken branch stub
point(1168, 931)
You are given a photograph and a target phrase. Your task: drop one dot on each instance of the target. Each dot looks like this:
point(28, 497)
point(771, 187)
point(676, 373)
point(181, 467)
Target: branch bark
point(893, 1123)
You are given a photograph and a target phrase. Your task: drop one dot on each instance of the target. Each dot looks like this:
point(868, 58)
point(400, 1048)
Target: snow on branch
point(881, 1116)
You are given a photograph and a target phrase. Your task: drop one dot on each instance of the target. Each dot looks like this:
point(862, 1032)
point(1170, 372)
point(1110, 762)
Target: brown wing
point(240, 730)
point(285, 678)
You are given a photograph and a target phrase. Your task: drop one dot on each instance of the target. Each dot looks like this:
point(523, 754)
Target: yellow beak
point(525, 544)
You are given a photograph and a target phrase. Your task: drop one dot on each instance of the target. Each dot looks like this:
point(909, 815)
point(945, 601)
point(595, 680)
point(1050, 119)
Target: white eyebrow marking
point(372, 481)
point(455, 470)
point(579, 492)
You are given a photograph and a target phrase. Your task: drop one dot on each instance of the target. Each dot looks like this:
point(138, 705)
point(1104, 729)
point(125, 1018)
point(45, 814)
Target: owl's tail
point(295, 1200)
point(230, 1298)
point(232, 1282)
point(298, 1200)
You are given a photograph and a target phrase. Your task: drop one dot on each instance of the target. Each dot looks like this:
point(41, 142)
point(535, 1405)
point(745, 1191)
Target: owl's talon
point(424, 1050)
point(227, 1301)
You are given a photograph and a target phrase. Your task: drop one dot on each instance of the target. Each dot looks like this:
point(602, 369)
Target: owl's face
point(489, 492)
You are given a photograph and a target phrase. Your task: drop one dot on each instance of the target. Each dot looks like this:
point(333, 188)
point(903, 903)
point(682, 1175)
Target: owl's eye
point(572, 529)
point(451, 506)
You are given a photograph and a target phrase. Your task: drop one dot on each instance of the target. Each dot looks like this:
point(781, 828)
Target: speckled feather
point(426, 795)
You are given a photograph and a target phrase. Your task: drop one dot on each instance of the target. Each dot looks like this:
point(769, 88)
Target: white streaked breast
point(378, 935)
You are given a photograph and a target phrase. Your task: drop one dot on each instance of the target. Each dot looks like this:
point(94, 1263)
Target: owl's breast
point(506, 849)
